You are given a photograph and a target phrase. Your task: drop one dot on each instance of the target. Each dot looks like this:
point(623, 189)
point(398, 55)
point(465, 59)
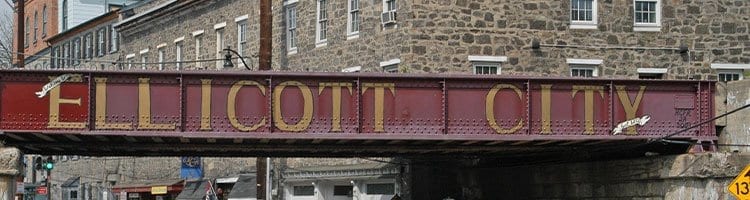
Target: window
point(353, 20)
point(26, 39)
point(291, 28)
point(647, 15)
point(178, 55)
point(730, 72)
point(381, 189)
point(77, 51)
point(113, 39)
point(651, 73)
point(89, 45)
point(198, 51)
point(36, 25)
point(584, 67)
point(100, 37)
point(44, 21)
point(73, 194)
point(307, 190)
point(322, 25)
point(66, 54)
point(343, 190)
point(390, 66)
point(65, 15)
point(583, 14)
point(53, 58)
point(129, 59)
point(241, 40)
point(161, 58)
point(144, 58)
point(730, 75)
point(487, 64)
point(219, 47)
point(390, 5)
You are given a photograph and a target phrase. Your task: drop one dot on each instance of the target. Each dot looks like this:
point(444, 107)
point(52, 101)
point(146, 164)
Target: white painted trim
point(352, 69)
point(290, 2)
point(584, 26)
point(584, 61)
point(729, 66)
point(220, 25)
point(390, 62)
point(179, 39)
point(292, 51)
point(488, 58)
point(162, 45)
point(321, 43)
point(595, 69)
point(647, 28)
point(144, 13)
point(129, 56)
point(144, 51)
point(652, 70)
point(352, 36)
point(197, 33)
point(241, 18)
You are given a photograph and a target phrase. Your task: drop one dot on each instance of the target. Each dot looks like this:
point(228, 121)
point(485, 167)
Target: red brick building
point(40, 23)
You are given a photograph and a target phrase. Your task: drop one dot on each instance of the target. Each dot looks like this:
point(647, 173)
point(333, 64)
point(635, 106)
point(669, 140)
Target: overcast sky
point(4, 7)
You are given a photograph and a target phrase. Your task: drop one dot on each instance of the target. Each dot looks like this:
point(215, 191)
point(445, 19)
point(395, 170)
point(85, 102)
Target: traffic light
point(38, 163)
point(49, 163)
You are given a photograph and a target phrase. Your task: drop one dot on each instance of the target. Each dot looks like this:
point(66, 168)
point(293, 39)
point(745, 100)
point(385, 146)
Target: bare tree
point(6, 39)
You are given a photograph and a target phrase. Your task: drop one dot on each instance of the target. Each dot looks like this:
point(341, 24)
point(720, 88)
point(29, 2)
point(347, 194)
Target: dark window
point(304, 190)
point(73, 194)
point(343, 190)
point(381, 188)
point(729, 76)
point(650, 76)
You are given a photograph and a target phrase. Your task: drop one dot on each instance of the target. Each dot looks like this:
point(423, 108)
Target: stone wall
point(737, 130)
point(445, 33)
point(687, 176)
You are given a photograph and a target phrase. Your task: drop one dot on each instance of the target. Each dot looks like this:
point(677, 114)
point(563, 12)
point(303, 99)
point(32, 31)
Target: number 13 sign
point(740, 186)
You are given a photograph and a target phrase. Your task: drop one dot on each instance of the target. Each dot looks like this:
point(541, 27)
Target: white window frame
point(100, 37)
point(722, 68)
point(112, 39)
point(367, 194)
point(197, 36)
point(352, 69)
point(662, 71)
point(290, 11)
point(579, 24)
point(585, 64)
point(144, 58)
point(242, 27)
point(487, 61)
point(219, 44)
point(648, 27)
point(385, 6)
point(390, 66)
point(129, 59)
point(353, 20)
point(160, 54)
point(321, 23)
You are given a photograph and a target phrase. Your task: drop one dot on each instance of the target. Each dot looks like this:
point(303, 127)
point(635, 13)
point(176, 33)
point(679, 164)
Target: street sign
point(740, 186)
point(42, 190)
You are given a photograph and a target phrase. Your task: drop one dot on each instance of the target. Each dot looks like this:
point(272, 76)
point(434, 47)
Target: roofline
point(96, 21)
point(144, 13)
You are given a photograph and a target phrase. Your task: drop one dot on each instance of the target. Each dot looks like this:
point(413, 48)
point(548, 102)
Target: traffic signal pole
point(264, 64)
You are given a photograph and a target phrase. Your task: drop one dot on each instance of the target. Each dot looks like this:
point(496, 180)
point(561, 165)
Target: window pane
point(304, 190)
point(381, 188)
point(342, 190)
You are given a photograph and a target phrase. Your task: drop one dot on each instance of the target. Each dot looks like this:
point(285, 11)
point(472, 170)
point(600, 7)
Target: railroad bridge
point(236, 113)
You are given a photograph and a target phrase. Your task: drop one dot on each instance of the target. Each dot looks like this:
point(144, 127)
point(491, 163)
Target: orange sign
point(740, 186)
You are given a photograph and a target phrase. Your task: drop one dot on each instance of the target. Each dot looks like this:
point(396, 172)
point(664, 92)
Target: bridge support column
point(10, 168)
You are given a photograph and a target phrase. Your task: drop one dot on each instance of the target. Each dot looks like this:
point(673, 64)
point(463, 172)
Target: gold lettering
point(101, 108)
point(630, 108)
point(490, 108)
point(336, 101)
point(205, 104)
point(54, 106)
point(231, 105)
point(588, 94)
point(144, 108)
point(379, 101)
point(546, 109)
point(278, 119)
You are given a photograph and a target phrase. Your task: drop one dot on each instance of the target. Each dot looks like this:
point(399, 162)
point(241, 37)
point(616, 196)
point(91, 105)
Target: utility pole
point(264, 64)
point(20, 31)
